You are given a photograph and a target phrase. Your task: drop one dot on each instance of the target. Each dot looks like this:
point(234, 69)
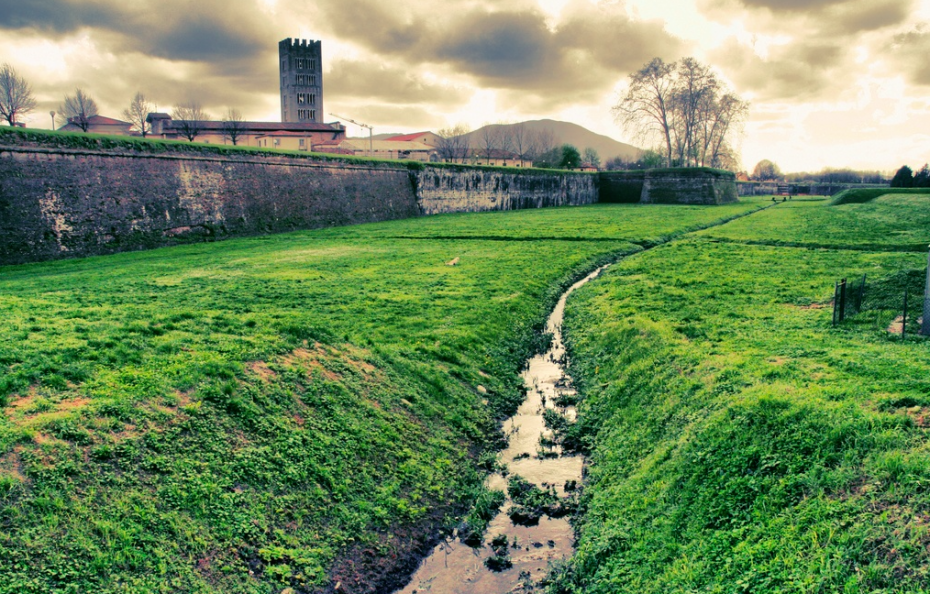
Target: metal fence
point(847, 299)
point(899, 293)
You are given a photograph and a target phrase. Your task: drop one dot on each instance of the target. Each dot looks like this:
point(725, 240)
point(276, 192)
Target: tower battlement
point(301, 62)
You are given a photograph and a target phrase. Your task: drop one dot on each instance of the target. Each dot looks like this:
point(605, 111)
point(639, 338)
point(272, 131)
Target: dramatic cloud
point(388, 82)
point(206, 30)
point(795, 72)
point(817, 17)
point(911, 54)
point(410, 65)
point(505, 48)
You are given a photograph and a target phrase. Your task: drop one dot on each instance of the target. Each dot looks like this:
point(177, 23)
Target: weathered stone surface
point(689, 186)
point(58, 203)
point(623, 187)
point(444, 190)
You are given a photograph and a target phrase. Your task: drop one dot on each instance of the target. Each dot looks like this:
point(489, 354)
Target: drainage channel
point(517, 553)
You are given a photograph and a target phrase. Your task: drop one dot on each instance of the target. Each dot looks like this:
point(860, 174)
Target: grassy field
point(738, 442)
point(893, 222)
point(297, 410)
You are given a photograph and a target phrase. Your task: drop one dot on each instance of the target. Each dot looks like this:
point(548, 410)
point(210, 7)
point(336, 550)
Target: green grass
point(277, 411)
point(860, 195)
point(738, 442)
point(893, 222)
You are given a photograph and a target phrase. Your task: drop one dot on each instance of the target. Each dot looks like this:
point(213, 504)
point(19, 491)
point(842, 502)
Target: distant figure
point(773, 199)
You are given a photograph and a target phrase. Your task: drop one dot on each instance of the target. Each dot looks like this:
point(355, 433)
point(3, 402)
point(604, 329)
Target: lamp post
point(52, 113)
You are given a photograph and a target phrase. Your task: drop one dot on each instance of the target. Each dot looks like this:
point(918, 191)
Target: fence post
point(860, 295)
point(842, 299)
point(904, 317)
point(925, 327)
point(836, 300)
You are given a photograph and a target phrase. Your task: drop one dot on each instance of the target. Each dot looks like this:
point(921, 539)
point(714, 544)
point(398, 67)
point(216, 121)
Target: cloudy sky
point(832, 82)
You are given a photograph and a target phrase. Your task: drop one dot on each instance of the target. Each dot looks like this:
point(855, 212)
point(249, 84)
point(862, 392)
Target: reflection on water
point(453, 567)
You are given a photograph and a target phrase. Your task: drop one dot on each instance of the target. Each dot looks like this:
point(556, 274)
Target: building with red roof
point(99, 124)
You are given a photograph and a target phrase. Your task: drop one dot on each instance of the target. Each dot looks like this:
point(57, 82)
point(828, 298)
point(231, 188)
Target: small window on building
point(303, 142)
point(277, 141)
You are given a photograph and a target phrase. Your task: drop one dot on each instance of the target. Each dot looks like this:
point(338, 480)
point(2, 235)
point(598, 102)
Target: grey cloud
point(910, 53)
point(795, 72)
point(386, 82)
point(206, 30)
point(505, 47)
point(817, 18)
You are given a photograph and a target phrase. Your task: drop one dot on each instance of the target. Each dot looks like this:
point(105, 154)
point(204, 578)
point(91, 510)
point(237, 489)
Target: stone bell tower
point(301, 80)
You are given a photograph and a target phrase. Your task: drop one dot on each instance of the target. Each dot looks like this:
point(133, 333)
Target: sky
point(832, 83)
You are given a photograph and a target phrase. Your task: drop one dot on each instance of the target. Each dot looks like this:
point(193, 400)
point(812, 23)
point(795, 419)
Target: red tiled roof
point(407, 137)
point(99, 120)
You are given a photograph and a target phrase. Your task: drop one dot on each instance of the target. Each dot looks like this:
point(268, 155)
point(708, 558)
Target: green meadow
point(740, 443)
point(291, 411)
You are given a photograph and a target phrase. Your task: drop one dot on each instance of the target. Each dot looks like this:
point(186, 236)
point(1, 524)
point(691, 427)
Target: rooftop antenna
point(371, 131)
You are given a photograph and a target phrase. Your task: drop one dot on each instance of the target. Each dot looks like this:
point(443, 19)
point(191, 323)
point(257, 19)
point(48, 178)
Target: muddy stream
point(454, 567)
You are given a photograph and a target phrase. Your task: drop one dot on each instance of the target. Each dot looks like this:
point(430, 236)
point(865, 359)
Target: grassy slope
point(740, 444)
point(896, 222)
point(860, 195)
point(291, 410)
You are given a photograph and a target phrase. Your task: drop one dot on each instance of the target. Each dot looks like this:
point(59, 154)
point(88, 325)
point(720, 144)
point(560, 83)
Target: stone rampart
point(58, 203)
point(698, 185)
point(621, 187)
point(445, 189)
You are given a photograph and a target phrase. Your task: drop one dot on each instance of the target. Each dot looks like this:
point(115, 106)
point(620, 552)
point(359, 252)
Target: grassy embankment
point(739, 443)
point(286, 411)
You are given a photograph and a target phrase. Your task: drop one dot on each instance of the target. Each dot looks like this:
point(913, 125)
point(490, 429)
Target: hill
point(562, 132)
point(567, 132)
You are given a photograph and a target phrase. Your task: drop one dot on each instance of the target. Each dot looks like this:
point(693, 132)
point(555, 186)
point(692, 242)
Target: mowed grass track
point(297, 410)
point(739, 442)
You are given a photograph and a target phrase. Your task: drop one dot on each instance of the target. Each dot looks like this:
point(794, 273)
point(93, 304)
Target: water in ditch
point(454, 567)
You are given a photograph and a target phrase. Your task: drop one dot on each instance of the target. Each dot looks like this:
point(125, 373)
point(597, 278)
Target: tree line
point(17, 100)
point(458, 144)
point(906, 178)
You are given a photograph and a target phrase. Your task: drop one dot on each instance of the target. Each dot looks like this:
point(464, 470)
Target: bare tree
point(138, 112)
point(453, 143)
point(687, 108)
point(693, 97)
point(489, 141)
point(521, 141)
point(16, 99)
point(541, 142)
point(591, 157)
point(79, 108)
point(190, 117)
point(645, 108)
point(233, 125)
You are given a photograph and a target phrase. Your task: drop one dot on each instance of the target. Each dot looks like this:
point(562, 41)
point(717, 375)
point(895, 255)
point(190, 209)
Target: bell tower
point(301, 80)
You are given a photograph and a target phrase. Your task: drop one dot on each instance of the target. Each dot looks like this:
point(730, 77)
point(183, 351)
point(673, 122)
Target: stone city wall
point(60, 202)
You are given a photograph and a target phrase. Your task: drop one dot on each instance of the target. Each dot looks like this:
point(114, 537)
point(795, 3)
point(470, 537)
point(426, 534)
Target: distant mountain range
point(564, 133)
